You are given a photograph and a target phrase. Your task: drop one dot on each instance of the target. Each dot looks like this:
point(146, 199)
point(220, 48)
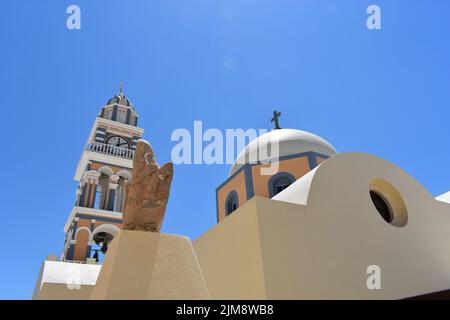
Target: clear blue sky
point(384, 92)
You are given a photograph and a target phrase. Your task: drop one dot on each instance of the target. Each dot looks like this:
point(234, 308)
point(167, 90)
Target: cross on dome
point(275, 119)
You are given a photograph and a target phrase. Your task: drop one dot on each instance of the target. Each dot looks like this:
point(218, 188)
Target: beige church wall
point(148, 265)
point(60, 291)
point(297, 167)
point(236, 184)
point(321, 250)
point(230, 256)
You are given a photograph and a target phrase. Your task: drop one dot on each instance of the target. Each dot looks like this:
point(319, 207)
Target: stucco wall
point(322, 250)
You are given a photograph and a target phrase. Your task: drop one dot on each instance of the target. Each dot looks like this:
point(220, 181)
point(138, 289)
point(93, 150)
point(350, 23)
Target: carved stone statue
point(147, 192)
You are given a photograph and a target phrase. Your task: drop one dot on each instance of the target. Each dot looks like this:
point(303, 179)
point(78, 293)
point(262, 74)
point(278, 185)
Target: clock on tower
point(105, 166)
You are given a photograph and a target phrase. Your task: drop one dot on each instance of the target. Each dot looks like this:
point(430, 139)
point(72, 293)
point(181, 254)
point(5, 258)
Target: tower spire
point(121, 89)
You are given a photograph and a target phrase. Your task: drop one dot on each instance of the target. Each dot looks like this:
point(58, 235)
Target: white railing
point(111, 150)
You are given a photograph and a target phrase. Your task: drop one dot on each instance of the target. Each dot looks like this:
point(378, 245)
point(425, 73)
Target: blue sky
point(228, 63)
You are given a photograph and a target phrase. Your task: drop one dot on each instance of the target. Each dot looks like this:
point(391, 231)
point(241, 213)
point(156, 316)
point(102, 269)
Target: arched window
point(231, 203)
point(100, 238)
point(97, 196)
point(279, 182)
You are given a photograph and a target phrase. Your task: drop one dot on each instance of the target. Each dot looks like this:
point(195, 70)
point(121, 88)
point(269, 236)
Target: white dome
point(290, 141)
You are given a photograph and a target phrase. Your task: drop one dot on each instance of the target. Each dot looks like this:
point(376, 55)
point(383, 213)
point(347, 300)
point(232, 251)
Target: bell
point(104, 247)
point(96, 256)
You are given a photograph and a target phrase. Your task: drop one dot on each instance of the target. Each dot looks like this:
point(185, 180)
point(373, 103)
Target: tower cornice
point(120, 128)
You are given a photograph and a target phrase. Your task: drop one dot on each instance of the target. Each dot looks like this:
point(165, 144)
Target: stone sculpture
point(147, 192)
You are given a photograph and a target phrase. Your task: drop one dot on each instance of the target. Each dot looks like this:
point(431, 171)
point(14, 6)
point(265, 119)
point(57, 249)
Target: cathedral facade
point(325, 225)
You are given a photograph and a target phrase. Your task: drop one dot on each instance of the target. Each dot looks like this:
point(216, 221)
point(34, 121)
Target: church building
point(299, 152)
point(325, 225)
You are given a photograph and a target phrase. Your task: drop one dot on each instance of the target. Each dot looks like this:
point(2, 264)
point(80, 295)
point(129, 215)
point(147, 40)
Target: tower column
point(82, 194)
point(112, 192)
point(90, 182)
point(120, 195)
point(78, 194)
point(71, 239)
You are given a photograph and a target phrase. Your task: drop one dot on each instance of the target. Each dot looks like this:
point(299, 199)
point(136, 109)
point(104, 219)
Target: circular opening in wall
point(382, 206)
point(388, 202)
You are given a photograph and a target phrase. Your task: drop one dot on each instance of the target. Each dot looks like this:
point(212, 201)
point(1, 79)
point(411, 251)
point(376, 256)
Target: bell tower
point(105, 165)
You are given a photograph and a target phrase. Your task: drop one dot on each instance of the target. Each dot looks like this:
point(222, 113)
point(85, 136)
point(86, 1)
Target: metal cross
point(276, 116)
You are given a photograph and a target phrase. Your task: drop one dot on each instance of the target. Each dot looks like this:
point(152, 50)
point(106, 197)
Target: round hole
point(388, 202)
point(382, 206)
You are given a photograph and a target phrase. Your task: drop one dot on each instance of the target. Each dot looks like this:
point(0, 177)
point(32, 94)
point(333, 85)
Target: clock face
point(118, 142)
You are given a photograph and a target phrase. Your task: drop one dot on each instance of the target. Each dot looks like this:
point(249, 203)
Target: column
point(120, 202)
point(72, 241)
point(83, 189)
point(89, 248)
point(90, 182)
point(112, 191)
point(78, 195)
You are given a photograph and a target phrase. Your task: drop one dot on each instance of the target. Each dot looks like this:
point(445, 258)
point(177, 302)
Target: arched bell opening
point(101, 240)
point(100, 246)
